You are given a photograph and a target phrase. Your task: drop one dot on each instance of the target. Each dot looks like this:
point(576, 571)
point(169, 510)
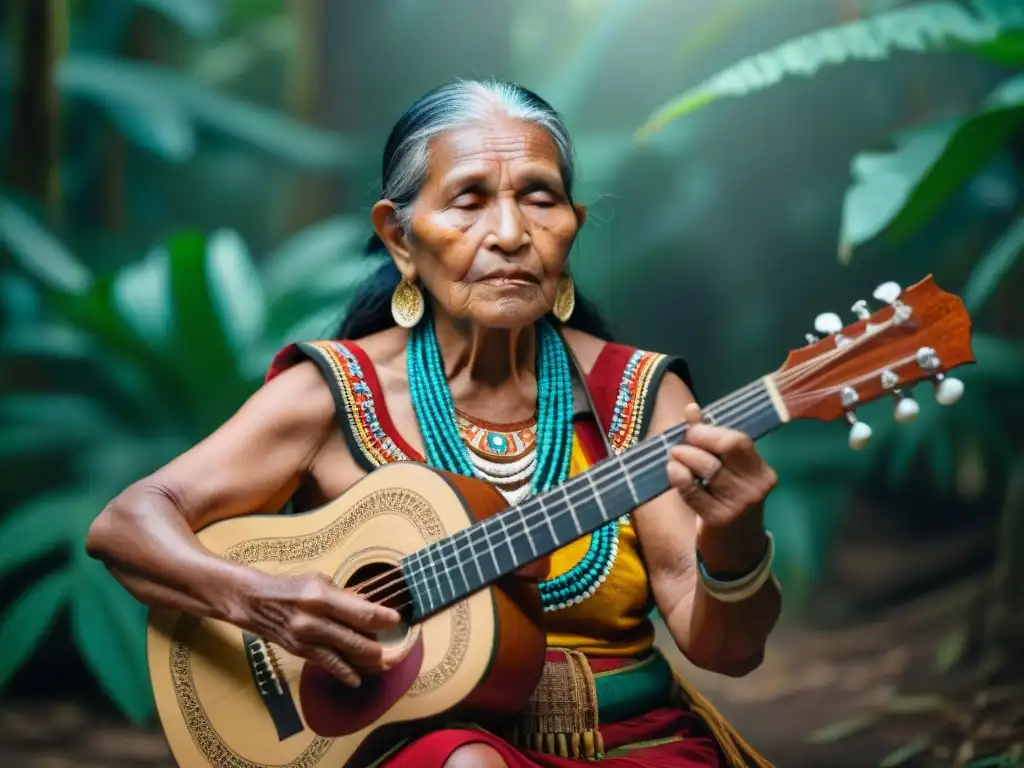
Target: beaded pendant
point(495, 441)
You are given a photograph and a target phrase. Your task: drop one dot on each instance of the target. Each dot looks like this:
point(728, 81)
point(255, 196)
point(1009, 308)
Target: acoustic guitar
point(443, 549)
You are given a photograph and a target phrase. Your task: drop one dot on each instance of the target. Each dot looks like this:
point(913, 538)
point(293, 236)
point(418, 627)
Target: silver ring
point(703, 482)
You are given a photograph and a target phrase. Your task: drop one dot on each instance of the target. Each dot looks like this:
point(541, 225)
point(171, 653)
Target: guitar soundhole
point(383, 583)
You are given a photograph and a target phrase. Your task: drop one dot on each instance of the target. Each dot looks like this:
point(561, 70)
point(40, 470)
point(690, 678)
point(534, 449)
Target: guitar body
point(226, 699)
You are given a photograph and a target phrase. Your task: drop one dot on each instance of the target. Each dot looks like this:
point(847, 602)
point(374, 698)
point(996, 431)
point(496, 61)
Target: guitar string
point(736, 407)
point(525, 529)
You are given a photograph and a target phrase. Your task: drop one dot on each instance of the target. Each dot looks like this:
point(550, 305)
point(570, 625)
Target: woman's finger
point(334, 664)
point(702, 464)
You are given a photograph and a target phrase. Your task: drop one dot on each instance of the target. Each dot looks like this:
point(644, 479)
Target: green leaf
point(152, 123)
point(990, 270)
point(801, 514)
point(201, 344)
point(114, 83)
point(109, 628)
point(135, 100)
point(950, 650)
point(49, 422)
point(995, 761)
point(906, 752)
point(141, 293)
point(920, 28)
point(50, 340)
point(909, 439)
point(998, 361)
point(266, 129)
point(235, 290)
point(19, 299)
point(199, 18)
point(58, 518)
point(97, 314)
point(39, 252)
point(922, 704)
point(1007, 48)
point(297, 264)
point(26, 620)
point(842, 729)
point(896, 194)
point(197, 330)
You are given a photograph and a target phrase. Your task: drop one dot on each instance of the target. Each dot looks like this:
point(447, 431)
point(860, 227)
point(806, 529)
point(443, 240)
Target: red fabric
point(284, 360)
point(605, 377)
point(697, 749)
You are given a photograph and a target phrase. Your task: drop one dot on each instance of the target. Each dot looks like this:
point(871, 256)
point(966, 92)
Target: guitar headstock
point(920, 333)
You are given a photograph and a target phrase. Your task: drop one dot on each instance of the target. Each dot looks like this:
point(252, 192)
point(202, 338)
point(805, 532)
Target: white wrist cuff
point(747, 585)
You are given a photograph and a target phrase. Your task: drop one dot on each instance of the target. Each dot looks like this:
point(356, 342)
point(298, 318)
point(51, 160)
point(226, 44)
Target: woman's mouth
point(509, 278)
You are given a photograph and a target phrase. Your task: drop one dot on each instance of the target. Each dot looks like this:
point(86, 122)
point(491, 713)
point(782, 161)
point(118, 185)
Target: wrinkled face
point(492, 227)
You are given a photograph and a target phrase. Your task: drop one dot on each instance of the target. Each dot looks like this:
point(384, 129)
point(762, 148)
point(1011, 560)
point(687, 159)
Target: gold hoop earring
point(565, 298)
point(407, 304)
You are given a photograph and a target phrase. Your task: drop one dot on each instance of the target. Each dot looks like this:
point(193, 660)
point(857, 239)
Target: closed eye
point(468, 201)
point(542, 198)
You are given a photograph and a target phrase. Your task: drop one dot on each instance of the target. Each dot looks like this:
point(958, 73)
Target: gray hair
point(459, 103)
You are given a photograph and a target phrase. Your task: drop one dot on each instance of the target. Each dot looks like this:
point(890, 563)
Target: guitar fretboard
point(454, 567)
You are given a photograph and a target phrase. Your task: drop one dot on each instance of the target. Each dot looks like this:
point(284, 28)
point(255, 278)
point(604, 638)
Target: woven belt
point(563, 715)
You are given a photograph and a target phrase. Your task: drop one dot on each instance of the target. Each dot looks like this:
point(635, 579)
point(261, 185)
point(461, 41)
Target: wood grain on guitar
point(445, 550)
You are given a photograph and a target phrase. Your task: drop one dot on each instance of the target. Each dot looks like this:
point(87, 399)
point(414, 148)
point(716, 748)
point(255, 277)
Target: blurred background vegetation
point(186, 184)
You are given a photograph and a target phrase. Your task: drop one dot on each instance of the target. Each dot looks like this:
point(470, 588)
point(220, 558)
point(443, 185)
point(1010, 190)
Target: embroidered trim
point(583, 579)
point(374, 443)
point(630, 403)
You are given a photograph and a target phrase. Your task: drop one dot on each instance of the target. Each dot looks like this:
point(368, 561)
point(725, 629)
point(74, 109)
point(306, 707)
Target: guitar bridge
point(273, 688)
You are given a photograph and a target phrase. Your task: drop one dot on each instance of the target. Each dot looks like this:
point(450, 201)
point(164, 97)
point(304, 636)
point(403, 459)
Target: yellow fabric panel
point(613, 621)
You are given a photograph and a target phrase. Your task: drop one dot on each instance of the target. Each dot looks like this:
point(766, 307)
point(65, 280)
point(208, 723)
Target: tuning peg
point(811, 338)
point(907, 408)
point(860, 433)
point(888, 292)
point(860, 309)
point(827, 323)
point(948, 389)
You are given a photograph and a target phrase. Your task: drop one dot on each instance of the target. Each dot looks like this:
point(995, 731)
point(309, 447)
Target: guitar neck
point(452, 568)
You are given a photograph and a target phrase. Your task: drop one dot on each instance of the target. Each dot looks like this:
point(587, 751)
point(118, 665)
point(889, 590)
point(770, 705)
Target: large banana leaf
point(920, 28)
point(181, 338)
point(896, 194)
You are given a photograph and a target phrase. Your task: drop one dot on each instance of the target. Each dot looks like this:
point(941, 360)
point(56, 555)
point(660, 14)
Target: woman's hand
point(309, 617)
point(724, 481)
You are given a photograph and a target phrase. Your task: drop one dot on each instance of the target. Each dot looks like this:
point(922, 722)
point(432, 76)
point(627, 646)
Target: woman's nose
point(508, 231)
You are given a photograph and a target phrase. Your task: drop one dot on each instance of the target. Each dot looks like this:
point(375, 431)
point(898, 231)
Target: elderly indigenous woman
point(471, 351)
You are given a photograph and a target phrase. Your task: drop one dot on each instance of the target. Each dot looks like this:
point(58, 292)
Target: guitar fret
point(572, 510)
point(490, 548)
point(597, 495)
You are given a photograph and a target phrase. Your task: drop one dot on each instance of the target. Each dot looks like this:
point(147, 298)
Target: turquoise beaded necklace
point(435, 411)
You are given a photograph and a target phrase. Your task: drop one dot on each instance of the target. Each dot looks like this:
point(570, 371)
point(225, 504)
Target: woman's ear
point(384, 217)
point(581, 212)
